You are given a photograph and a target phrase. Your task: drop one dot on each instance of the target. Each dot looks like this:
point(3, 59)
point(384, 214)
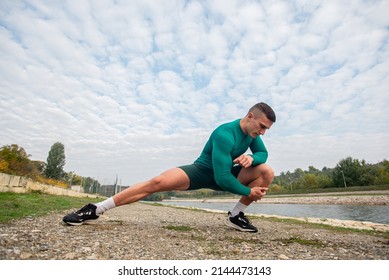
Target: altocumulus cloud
point(134, 88)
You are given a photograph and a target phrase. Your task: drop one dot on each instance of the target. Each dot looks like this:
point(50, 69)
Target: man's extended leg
point(173, 179)
point(257, 176)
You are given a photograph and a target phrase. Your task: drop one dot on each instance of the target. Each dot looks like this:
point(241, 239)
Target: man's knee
point(267, 172)
point(173, 179)
point(157, 183)
point(264, 173)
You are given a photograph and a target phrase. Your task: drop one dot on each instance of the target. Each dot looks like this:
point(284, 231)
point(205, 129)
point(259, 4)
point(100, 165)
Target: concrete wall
point(18, 184)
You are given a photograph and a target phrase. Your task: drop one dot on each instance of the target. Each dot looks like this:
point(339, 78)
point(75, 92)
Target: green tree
point(382, 173)
point(313, 170)
point(324, 181)
point(309, 181)
point(55, 162)
point(353, 172)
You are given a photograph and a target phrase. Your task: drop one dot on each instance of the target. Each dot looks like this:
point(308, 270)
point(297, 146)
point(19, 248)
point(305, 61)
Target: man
point(222, 165)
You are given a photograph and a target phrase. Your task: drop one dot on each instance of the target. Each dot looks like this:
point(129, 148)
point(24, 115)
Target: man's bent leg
point(257, 176)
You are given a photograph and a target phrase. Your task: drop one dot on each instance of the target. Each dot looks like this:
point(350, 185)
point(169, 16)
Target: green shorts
point(202, 177)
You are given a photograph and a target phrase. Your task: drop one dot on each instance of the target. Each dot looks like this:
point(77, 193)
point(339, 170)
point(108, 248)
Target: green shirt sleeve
point(259, 151)
point(222, 163)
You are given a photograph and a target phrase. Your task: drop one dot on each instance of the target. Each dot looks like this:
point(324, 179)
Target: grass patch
point(237, 240)
point(178, 228)
point(20, 205)
point(213, 250)
point(315, 243)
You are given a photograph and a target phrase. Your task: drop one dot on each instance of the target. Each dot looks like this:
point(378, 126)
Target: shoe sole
point(232, 225)
point(87, 222)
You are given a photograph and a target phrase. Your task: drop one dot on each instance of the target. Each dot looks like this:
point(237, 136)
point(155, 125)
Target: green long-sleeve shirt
point(226, 143)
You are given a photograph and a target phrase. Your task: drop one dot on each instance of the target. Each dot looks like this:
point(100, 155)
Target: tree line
point(349, 172)
point(14, 160)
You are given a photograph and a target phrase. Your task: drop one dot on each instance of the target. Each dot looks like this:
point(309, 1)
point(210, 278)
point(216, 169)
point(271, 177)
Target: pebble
point(283, 257)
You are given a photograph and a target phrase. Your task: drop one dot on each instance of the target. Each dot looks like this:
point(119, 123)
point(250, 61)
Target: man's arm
point(222, 162)
point(259, 151)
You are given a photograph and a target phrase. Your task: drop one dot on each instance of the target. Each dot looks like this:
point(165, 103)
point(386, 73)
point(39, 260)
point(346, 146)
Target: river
point(365, 213)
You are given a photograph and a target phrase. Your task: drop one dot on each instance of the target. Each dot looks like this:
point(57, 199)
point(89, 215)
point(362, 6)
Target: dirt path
point(142, 231)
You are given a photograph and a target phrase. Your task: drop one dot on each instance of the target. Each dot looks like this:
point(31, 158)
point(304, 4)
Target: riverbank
point(145, 231)
point(345, 198)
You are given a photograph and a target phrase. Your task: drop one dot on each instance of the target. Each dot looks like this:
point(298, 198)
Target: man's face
point(258, 125)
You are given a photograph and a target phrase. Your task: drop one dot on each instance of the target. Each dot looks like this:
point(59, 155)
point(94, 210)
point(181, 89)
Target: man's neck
point(242, 124)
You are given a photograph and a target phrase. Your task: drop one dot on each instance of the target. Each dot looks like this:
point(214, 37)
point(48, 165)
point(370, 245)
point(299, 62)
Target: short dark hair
point(265, 109)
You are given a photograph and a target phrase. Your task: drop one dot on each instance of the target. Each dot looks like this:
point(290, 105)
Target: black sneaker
point(240, 222)
point(85, 215)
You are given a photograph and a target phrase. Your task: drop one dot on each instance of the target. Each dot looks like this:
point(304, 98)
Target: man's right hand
point(257, 193)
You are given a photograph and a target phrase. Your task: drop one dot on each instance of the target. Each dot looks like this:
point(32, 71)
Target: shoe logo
point(242, 220)
point(85, 213)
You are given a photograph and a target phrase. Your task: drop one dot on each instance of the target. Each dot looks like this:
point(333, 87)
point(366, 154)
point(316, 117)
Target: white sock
point(239, 207)
point(105, 205)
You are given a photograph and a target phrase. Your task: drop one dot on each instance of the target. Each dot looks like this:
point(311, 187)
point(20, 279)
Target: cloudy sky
point(132, 88)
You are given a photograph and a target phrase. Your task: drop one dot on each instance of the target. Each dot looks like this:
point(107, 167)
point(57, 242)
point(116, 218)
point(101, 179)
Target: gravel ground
point(144, 231)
